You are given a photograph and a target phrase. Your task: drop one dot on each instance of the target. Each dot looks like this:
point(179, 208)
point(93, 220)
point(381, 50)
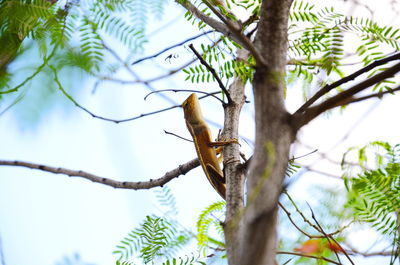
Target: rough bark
point(234, 175)
point(272, 141)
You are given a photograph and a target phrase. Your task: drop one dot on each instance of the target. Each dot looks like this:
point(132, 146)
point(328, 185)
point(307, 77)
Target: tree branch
point(307, 256)
point(212, 71)
point(218, 26)
point(237, 29)
point(140, 185)
point(60, 87)
point(353, 251)
point(329, 238)
point(348, 78)
point(37, 71)
point(157, 78)
point(233, 176)
point(171, 47)
point(293, 222)
point(228, 28)
point(374, 95)
point(344, 97)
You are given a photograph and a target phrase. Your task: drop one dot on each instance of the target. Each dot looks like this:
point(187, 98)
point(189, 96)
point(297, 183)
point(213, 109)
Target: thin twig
point(236, 28)
point(307, 256)
point(180, 137)
point(213, 72)
point(346, 79)
point(154, 79)
point(110, 119)
point(375, 95)
point(130, 71)
point(300, 212)
point(312, 152)
point(343, 97)
point(354, 251)
point(292, 221)
point(308, 168)
point(171, 47)
point(212, 94)
point(12, 104)
point(328, 237)
point(289, 215)
point(60, 87)
point(213, 23)
point(38, 70)
point(181, 170)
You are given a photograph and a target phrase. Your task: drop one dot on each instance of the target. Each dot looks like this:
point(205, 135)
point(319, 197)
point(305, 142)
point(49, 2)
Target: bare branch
point(301, 213)
point(289, 215)
point(353, 251)
point(307, 256)
point(60, 87)
point(38, 70)
point(309, 168)
point(171, 47)
point(227, 21)
point(329, 238)
point(309, 153)
point(140, 185)
point(180, 137)
point(218, 26)
point(237, 29)
point(212, 71)
point(292, 221)
point(212, 94)
point(228, 28)
point(375, 95)
point(345, 96)
point(346, 79)
point(157, 78)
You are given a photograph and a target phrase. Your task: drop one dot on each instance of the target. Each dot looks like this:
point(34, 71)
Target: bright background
point(45, 217)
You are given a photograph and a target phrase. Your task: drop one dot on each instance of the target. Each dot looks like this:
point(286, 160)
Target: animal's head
point(191, 109)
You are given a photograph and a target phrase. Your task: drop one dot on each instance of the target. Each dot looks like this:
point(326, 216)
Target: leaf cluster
point(317, 36)
point(77, 29)
point(155, 237)
point(208, 220)
point(374, 194)
point(227, 68)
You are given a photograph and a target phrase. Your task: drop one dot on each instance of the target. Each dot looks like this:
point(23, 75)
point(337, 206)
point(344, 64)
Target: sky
point(45, 217)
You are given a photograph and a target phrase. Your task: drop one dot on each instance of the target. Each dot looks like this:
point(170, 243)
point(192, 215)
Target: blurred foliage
point(374, 193)
point(69, 36)
point(157, 238)
point(75, 259)
point(73, 37)
point(330, 214)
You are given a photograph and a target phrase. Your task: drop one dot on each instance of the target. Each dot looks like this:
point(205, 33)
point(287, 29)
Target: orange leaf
point(310, 246)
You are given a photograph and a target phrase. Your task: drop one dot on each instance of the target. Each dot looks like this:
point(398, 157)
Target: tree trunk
point(256, 229)
point(234, 176)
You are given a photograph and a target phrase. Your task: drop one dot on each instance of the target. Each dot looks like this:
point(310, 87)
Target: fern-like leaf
point(207, 220)
point(167, 199)
point(155, 238)
point(374, 195)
